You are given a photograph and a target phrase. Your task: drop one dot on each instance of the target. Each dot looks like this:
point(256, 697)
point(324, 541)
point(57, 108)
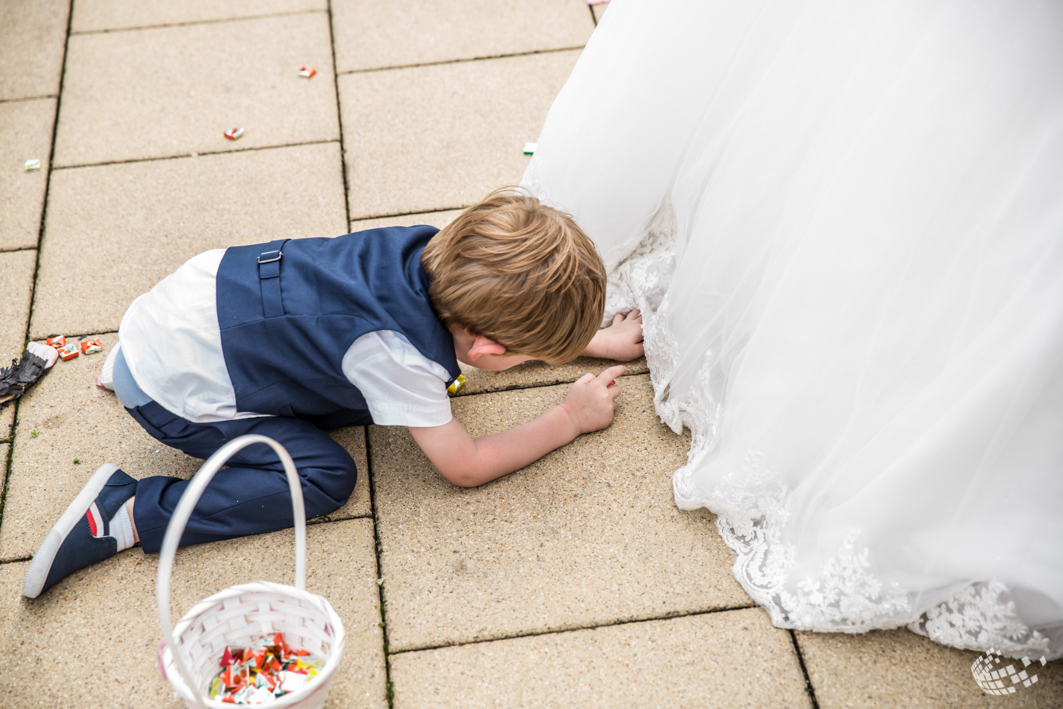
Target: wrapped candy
point(91, 346)
point(234, 133)
point(307, 71)
point(67, 352)
point(457, 385)
point(56, 342)
point(261, 673)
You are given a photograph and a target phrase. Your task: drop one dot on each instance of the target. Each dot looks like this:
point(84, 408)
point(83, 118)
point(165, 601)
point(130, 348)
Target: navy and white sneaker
point(83, 534)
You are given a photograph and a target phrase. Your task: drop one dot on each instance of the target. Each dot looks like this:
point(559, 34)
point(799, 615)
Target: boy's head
point(519, 273)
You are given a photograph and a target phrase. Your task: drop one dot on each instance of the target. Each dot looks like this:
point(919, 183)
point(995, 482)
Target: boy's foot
point(24, 373)
point(85, 533)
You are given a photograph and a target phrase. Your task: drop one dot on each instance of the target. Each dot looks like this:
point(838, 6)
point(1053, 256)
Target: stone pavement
point(575, 582)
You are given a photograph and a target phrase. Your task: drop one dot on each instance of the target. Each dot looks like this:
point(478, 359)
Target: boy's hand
point(591, 400)
point(621, 341)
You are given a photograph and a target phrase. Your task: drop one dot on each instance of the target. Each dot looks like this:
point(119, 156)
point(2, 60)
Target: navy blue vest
point(289, 311)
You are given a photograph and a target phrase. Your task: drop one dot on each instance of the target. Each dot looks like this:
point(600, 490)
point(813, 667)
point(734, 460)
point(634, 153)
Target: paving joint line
point(389, 687)
point(339, 118)
point(18, 249)
point(193, 23)
point(37, 261)
point(190, 155)
point(408, 214)
point(15, 560)
point(534, 385)
point(7, 469)
point(592, 626)
point(458, 61)
point(28, 98)
point(79, 336)
point(809, 689)
point(322, 520)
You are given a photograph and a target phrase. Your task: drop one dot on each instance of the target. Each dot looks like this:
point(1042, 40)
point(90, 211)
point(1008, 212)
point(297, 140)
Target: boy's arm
point(621, 341)
point(468, 461)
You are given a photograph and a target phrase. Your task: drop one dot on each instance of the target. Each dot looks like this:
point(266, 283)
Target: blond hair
point(518, 272)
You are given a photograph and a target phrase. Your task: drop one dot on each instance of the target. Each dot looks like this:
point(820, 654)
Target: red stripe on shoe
point(95, 522)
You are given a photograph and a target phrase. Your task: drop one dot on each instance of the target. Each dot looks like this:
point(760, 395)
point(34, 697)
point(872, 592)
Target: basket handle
point(184, 510)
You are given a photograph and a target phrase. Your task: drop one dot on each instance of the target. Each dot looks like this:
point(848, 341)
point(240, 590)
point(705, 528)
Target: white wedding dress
point(843, 223)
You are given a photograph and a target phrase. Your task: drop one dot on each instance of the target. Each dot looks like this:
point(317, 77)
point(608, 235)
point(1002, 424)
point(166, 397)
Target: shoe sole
point(41, 564)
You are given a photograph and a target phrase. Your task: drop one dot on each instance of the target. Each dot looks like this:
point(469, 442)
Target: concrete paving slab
point(371, 35)
point(99, 15)
point(25, 134)
point(897, 668)
point(585, 536)
point(16, 288)
point(537, 374)
point(728, 659)
point(442, 137)
point(123, 228)
point(32, 39)
point(73, 419)
point(175, 90)
point(90, 641)
point(436, 219)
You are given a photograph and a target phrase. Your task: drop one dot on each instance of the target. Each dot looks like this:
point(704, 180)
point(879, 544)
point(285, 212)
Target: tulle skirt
point(843, 223)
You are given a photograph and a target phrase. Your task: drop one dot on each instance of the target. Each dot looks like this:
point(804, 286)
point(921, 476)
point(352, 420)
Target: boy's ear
point(485, 346)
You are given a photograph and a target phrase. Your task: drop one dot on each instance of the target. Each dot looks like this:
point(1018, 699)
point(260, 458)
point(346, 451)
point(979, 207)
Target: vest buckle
point(262, 260)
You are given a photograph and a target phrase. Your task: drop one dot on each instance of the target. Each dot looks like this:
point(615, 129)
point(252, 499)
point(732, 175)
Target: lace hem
point(751, 505)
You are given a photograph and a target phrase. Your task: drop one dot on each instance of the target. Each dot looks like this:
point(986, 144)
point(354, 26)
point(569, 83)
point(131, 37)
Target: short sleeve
point(401, 386)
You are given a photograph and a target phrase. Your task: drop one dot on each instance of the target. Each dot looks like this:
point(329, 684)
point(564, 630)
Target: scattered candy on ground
point(91, 346)
point(307, 71)
point(234, 133)
point(32, 165)
point(68, 351)
point(262, 672)
point(529, 148)
point(72, 350)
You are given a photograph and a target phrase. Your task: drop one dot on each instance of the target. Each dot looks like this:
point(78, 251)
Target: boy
point(295, 336)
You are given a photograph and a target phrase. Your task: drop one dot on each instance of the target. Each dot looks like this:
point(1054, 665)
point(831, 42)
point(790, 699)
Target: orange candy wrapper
point(91, 346)
point(67, 352)
point(56, 342)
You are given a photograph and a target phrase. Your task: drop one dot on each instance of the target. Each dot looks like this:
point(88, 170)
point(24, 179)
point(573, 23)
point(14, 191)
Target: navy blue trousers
point(251, 496)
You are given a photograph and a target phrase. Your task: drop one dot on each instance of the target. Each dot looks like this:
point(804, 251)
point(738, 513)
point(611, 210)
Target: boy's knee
point(333, 479)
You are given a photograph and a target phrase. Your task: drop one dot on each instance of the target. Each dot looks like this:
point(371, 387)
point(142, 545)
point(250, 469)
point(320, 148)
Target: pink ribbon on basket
point(158, 660)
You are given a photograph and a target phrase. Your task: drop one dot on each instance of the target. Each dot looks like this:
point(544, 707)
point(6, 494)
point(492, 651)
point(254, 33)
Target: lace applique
point(752, 509)
point(752, 506)
point(980, 617)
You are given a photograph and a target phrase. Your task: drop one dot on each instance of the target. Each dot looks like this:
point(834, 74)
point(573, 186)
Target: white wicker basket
point(189, 654)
